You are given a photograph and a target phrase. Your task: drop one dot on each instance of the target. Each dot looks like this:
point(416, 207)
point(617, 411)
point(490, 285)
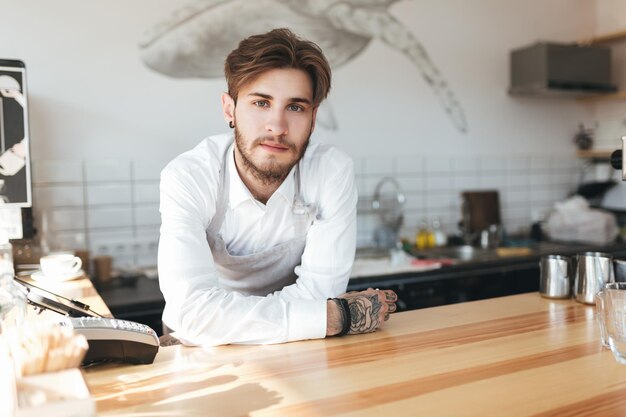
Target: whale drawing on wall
point(194, 41)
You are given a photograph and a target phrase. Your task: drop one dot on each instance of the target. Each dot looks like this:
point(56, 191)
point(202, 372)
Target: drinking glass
point(614, 308)
point(600, 317)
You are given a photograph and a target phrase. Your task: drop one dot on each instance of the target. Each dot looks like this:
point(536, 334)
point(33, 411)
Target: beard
point(273, 172)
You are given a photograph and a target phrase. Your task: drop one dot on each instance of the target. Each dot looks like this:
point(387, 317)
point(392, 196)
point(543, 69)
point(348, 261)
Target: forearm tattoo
point(364, 312)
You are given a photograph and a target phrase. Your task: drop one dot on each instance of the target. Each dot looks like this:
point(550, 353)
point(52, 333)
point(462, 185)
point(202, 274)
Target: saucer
point(41, 277)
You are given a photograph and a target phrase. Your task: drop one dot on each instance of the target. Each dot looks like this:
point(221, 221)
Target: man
point(258, 234)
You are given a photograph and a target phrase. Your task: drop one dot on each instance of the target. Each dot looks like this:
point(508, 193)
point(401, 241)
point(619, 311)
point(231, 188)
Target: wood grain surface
point(513, 356)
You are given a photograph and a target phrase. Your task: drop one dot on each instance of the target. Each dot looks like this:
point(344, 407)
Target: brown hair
point(279, 48)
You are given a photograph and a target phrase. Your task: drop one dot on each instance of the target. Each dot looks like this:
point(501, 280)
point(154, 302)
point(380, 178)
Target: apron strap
point(222, 195)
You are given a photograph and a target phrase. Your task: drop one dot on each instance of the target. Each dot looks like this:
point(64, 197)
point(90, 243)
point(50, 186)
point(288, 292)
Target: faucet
point(386, 235)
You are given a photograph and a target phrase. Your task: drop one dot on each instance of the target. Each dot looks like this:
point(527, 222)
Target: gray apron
point(263, 272)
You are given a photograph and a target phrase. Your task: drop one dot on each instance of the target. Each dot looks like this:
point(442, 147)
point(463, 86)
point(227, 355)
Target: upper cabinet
point(604, 39)
point(580, 69)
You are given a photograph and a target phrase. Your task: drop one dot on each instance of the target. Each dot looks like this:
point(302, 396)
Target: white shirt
point(196, 307)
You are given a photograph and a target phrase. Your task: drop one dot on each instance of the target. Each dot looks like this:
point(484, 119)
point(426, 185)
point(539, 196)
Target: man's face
point(274, 118)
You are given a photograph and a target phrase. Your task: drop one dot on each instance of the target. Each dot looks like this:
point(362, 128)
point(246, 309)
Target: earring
point(231, 124)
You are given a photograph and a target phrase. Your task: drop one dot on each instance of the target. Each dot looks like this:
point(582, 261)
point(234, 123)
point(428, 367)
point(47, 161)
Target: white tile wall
point(111, 206)
point(411, 183)
point(492, 164)
point(107, 170)
point(147, 215)
point(58, 196)
point(438, 182)
point(379, 166)
point(109, 194)
point(518, 179)
point(468, 181)
point(529, 185)
point(465, 164)
point(108, 218)
point(518, 163)
point(149, 169)
point(63, 240)
point(439, 200)
point(55, 171)
point(410, 165)
point(438, 164)
point(492, 180)
point(103, 240)
point(147, 192)
point(66, 219)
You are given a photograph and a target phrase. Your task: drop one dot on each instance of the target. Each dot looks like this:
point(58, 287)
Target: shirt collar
point(238, 193)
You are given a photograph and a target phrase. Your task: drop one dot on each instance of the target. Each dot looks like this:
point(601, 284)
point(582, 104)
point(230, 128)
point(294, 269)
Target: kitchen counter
point(484, 275)
point(521, 355)
point(377, 268)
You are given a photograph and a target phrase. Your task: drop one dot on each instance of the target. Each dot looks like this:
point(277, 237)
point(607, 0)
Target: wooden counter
point(513, 356)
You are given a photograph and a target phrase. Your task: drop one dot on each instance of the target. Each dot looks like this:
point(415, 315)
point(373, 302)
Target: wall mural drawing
point(194, 41)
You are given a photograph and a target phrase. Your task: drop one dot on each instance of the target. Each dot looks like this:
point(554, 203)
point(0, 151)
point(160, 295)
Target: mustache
point(279, 140)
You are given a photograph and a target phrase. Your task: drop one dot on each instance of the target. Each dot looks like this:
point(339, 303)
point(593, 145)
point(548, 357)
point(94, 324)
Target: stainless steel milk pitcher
point(555, 276)
point(593, 271)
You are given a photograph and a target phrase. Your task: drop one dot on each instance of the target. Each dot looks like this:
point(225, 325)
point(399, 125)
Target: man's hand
point(368, 310)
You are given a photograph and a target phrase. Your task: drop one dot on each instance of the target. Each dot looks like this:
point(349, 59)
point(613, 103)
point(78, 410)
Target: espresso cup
point(61, 264)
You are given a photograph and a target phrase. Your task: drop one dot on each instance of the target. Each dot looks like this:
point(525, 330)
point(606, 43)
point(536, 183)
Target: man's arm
point(368, 310)
point(329, 255)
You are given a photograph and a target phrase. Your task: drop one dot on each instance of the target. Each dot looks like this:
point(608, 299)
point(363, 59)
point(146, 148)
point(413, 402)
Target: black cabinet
point(455, 285)
point(469, 281)
point(138, 300)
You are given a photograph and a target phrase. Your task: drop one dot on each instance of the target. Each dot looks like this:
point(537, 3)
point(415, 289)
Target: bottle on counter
point(422, 237)
point(12, 296)
point(430, 236)
point(439, 236)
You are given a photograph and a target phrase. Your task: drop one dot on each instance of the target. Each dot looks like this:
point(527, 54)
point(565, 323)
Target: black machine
point(110, 340)
point(617, 159)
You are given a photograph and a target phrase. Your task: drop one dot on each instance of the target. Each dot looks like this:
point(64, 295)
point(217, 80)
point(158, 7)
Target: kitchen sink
point(460, 253)
point(372, 253)
point(457, 253)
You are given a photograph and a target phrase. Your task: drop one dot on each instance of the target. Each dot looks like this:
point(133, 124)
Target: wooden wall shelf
point(595, 154)
point(620, 95)
point(606, 38)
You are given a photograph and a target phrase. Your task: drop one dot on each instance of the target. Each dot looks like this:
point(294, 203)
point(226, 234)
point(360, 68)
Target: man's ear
point(228, 108)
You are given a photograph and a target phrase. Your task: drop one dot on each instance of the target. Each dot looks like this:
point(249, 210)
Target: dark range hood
point(553, 69)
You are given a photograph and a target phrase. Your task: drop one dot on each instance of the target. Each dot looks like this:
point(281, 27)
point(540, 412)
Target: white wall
point(92, 98)
point(610, 116)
